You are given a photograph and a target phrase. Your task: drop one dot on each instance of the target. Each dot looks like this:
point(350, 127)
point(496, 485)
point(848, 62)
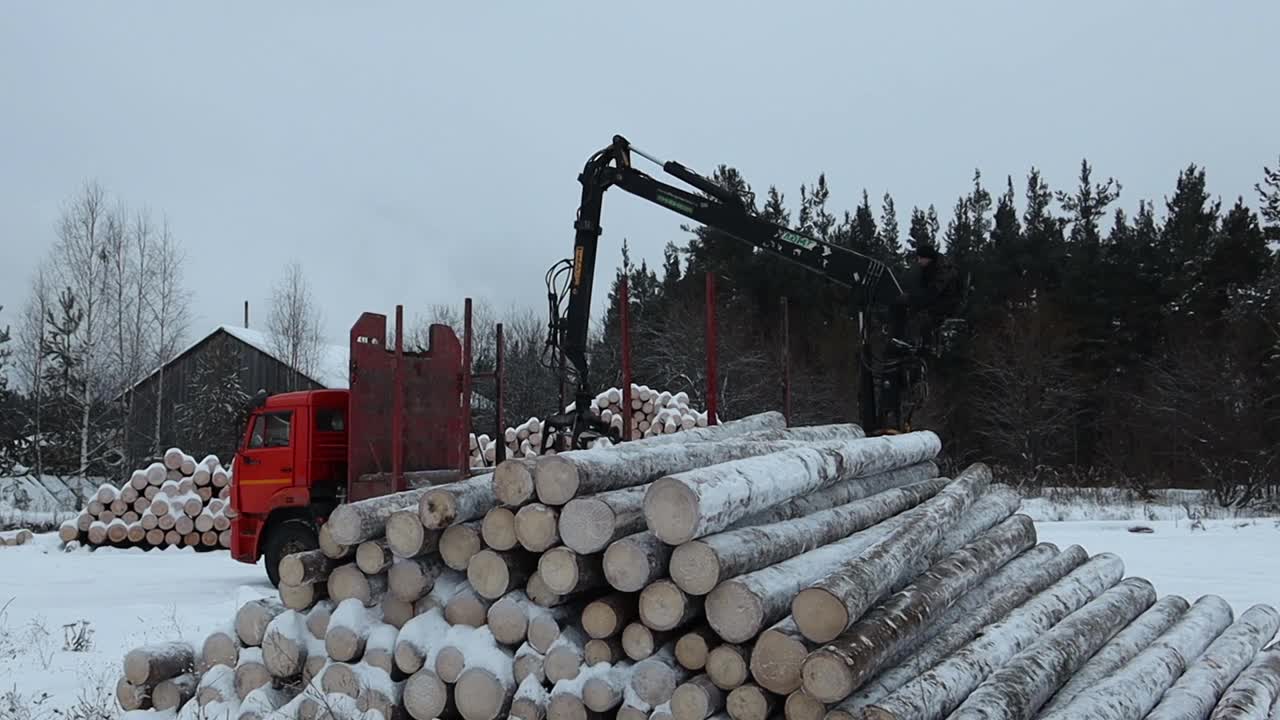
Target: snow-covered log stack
point(653, 413)
point(746, 570)
point(174, 502)
point(15, 537)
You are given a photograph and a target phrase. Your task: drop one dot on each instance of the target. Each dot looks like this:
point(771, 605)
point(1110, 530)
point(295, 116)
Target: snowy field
point(128, 597)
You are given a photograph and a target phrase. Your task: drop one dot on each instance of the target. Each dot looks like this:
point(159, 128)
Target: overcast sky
point(420, 152)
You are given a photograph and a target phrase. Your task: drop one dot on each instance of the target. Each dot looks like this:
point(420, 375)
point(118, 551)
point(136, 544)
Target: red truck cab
point(303, 453)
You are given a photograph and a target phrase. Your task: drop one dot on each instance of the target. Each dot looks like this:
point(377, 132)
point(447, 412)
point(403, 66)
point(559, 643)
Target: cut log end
point(692, 650)
point(499, 529)
point(825, 676)
point(734, 612)
point(458, 543)
point(697, 699)
point(559, 569)
point(481, 695)
point(727, 666)
point(776, 661)
point(406, 537)
point(749, 702)
point(663, 606)
point(607, 616)
point(670, 510)
point(537, 527)
point(638, 642)
point(425, 695)
point(587, 525)
point(802, 706)
point(695, 567)
point(437, 510)
point(820, 615)
point(513, 483)
point(450, 662)
point(492, 574)
point(466, 608)
point(627, 565)
point(555, 481)
point(608, 650)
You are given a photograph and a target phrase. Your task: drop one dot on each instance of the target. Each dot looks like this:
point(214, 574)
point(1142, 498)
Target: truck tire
point(285, 538)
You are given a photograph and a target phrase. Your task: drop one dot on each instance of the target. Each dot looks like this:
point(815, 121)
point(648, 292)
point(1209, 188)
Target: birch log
point(664, 606)
point(693, 647)
point(698, 566)
point(750, 702)
point(426, 696)
point(728, 665)
point(410, 579)
point(537, 527)
point(508, 618)
point(530, 700)
point(800, 705)
point(407, 538)
point(484, 691)
point(1136, 688)
point(697, 698)
point(560, 478)
point(445, 505)
point(172, 693)
point(942, 688)
point(346, 581)
point(373, 556)
point(1256, 692)
point(603, 692)
point(353, 523)
point(1122, 648)
point(1021, 579)
point(499, 529)
point(606, 616)
point(640, 642)
point(252, 619)
point(608, 650)
point(687, 505)
point(565, 571)
point(835, 602)
point(778, 655)
point(1025, 683)
point(1196, 692)
point(459, 542)
point(493, 574)
point(858, 654)
point(655, 679)
point(635, 561)
point(513, 482)
point(588, 524)
point(332, 548)
point(150, 664)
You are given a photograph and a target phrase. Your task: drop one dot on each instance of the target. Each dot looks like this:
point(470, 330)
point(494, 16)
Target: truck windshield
point(271, 430)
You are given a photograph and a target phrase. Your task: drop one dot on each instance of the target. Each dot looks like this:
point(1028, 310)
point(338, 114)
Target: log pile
point(174, 502)
point(21, 536)
point(747, 571)
point(653, 413)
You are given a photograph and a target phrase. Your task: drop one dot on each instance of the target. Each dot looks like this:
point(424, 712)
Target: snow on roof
point(332, 361)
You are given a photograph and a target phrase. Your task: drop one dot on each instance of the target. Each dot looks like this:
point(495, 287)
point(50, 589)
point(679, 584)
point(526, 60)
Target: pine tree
point(962, 241)
point(890, 237)
point(212, 420)
point(1044, 250)
point(865, 236)
point(11, 427)
point(1269, 194)
point(64, 386)
point(924, 228)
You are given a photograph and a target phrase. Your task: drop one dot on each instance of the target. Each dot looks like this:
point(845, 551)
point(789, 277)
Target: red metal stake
point(712, 382)
point(499, 389)
point(786, 362)
point(625, 317)
point(464, 441)
point(397, 409)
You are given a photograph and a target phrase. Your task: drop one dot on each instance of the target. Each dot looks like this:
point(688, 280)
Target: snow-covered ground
point(128, 598)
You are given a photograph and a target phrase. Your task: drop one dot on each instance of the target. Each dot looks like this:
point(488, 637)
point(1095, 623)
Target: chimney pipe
point(246, 314)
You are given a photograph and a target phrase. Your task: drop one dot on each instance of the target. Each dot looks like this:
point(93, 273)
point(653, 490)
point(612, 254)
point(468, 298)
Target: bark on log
point(1206, 679)
point(1122, 648)
point(499, 529)
point(560, 478)
point(605, 617)
point(346, 581)
point(829, 607)
point(640, 642)
point(664, 606)
point(566, 572)
point(513, 482)
point(750, 702)
point(332, 548)
point(942, 688)
point(1134, 689)
point(588, 524)
point(426, 697)
point(608, 651)
point(698, 566)
point(373, 556)
point(739, 608)
point(635, 561)
point(493, 574)
point(484, 693)
point(410, 579)
point(458, 543)
point(537, 527)
point(697, 698)
point(654, 680)
point(353, 523)
point(174, 692)
point(872, 641)
point(1023, 577)
point(1256, 692)
point(407, 538)
point(307, 567)
point(728, 665)
point(252, 619)
point(693, 647)
point(445, 505)
point(691, 504)
point(1026, 682)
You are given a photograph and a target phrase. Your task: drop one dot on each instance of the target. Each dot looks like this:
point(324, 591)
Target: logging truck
point(400, 423)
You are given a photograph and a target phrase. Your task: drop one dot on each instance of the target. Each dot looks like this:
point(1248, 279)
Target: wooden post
point(786, 361)
point(397, 412)
point(712, 381)
point(499, 389)
point(464, 441)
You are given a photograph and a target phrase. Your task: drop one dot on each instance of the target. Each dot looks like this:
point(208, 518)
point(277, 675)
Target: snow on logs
point(802, 572)
point(171, 502)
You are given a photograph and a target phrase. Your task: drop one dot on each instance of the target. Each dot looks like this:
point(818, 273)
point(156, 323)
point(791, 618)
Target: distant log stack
point(175, 501)
point(743, 570)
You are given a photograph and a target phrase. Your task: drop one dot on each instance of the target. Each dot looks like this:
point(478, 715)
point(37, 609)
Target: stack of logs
point(176, 502)
point(21, 536)
point(744, 570)
point(652, 413)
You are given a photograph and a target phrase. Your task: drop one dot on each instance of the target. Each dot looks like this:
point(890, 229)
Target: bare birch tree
point(167, 312)
point(294, 321)
point(29, 363)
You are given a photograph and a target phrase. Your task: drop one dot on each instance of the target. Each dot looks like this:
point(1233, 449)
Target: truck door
point(266, 464)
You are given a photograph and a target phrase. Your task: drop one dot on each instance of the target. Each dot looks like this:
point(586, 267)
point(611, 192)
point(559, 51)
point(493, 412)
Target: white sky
point(421, 152)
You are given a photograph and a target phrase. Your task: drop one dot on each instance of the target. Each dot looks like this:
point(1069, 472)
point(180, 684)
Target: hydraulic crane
point(891, 367)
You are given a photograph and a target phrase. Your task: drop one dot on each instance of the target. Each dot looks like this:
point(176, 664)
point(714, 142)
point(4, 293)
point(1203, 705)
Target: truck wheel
point(286, 538)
